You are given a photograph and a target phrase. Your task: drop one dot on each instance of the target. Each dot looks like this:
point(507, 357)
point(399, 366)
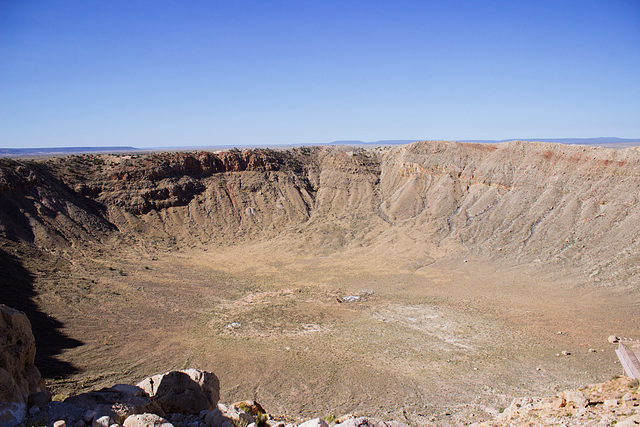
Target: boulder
point(117, 402)
point(89, 416)
point(187, 392)
point(146, 420)
point(39, 399)
point(216, 417)
point(316, 422)
point(104, 421)
point(223, 415)
point(19, 377)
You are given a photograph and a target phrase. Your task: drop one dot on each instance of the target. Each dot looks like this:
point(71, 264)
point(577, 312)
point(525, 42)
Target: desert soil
point(428, 284)
point(446, 340)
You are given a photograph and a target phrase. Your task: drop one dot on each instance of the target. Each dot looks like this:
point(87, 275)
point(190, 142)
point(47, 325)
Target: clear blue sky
point(187, 73)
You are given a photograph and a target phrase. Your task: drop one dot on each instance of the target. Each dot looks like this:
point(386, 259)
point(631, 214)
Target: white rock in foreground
point(316, 422)
point(146, 420)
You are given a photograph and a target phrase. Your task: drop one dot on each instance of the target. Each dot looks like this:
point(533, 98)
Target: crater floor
point(460, 334)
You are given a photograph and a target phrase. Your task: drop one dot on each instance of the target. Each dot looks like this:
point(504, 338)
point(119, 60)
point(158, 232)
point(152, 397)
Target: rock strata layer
point(533, 201)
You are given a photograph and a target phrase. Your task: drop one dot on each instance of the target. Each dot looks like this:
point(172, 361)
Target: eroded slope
point(476, 256)
point(551, 202)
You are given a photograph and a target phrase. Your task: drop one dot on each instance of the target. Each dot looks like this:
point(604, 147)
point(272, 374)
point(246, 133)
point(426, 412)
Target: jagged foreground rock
point(616, 402)
point(20, 382)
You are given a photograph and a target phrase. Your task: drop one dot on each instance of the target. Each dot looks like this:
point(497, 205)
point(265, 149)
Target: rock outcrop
point(19, 377)
point(615, 402)
point(189, 392)
point(117, 402)
point(532, 201)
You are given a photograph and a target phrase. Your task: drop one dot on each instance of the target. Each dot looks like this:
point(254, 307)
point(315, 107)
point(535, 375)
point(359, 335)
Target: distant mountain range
point(610, 142)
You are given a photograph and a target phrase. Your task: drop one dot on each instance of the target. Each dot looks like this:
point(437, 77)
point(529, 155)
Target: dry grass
point(453, 333)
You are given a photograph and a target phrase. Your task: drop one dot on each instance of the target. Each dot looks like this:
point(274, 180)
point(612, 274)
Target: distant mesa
point(608, 142)
point(7, 152)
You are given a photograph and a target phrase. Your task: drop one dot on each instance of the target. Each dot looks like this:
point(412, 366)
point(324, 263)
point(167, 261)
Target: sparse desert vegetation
point(472, 267)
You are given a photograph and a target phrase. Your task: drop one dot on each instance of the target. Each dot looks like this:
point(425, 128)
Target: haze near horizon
point(150, 74)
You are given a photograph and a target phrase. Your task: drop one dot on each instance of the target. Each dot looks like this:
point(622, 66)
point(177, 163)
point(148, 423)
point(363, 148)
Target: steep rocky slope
point(537, 201)
point(532, 201)
point(472, 258)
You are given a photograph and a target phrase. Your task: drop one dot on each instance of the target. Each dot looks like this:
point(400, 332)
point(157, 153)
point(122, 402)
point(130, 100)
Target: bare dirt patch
point(457, 335)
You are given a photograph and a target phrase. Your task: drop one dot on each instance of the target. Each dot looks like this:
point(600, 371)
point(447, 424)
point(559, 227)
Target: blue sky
point(199, 73)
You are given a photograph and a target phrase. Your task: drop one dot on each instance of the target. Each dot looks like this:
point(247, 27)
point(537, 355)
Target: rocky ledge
point(189, 398)
point(20, 383)
point(186, 398)
point(615, 402)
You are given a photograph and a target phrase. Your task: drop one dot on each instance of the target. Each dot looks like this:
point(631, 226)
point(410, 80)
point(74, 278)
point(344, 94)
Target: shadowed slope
point(17, 291)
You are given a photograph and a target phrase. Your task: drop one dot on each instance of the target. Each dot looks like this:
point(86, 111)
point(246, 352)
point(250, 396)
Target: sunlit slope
point(528, 201)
